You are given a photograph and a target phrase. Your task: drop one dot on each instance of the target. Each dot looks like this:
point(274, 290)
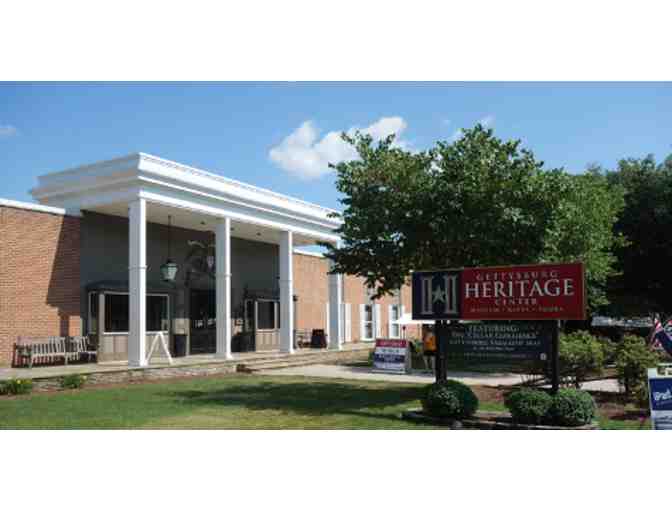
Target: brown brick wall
point(311, 285)
point(39, 276)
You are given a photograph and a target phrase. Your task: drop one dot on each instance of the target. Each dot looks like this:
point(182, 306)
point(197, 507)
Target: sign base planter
point(484, 420)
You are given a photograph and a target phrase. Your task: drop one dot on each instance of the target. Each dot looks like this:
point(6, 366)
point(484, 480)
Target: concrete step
point(300, 360)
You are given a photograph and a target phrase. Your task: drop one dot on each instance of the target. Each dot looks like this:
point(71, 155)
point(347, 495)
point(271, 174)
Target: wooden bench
point(81, 345)
point(30, 349)
point(302, 338)
point(44, 349)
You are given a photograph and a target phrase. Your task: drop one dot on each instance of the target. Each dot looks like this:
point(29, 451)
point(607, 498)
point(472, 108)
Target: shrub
point(16, 387)
point(633, 358)
point(528, 405)
point(73, 381)
point(449, 399)
point(609, 348)
point(580, 355)
point(572, 408)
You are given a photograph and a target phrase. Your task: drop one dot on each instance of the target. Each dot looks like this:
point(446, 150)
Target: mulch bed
point(485, 420)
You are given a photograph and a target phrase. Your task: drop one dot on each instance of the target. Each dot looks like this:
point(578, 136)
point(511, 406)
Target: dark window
point(93, 313)
point(157, 313)
point(116, 313)
point(266, 315)
point(249, 315)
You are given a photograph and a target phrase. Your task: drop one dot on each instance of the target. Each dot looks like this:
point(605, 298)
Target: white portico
point(145, 188)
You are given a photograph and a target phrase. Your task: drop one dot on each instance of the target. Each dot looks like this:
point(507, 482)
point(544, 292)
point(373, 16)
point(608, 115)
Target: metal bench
point(47, 348)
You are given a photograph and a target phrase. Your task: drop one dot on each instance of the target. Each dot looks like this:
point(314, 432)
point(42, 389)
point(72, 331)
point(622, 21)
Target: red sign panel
point(531, 292)
point(535, 292)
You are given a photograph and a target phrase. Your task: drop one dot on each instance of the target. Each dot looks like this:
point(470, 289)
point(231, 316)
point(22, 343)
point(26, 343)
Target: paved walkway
point(201, 359)
point(470, 378)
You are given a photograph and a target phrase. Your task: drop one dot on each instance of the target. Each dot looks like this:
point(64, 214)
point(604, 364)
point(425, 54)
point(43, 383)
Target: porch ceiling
point(157, 213)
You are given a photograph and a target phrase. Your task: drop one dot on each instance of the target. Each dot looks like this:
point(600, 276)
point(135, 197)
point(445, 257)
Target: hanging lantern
point(169, 271)
point(169, 268)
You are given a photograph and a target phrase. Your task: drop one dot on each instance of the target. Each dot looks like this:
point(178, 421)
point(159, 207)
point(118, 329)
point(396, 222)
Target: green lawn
point(229, 402)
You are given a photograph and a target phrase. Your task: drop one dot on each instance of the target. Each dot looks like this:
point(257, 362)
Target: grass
point(230, 402)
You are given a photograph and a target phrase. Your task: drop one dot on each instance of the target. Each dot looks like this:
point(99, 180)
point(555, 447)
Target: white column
point(223, 289)
point(137, 283)
point(286, 293)
point(335, 310)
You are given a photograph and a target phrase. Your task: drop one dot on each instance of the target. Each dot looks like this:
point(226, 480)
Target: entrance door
point(203, 322)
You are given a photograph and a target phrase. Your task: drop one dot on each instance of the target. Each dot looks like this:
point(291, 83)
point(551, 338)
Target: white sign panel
point(390, 356)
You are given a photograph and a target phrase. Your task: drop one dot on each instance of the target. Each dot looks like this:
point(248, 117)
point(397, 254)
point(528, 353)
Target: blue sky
point(280, 136)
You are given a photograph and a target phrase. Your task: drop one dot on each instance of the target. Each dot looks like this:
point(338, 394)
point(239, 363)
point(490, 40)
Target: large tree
point(645, 263)
point(477, 201)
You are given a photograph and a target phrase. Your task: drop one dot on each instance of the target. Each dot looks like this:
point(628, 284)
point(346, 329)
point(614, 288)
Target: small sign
point(500, 342)
point(531, 292)
point(660, 400)
point(390, 355)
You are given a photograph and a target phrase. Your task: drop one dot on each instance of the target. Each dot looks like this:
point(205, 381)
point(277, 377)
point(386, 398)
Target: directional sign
point(531, 292)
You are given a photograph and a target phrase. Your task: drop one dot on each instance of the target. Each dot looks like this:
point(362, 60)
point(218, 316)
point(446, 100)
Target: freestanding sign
point(531, 292)
point(541, 292)
point(390, 355)
point(660, 400)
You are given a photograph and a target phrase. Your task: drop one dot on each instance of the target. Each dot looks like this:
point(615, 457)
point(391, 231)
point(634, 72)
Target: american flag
point(660, 338)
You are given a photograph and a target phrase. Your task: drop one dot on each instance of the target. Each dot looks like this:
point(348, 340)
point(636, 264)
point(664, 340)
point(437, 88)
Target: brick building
point(89, 258)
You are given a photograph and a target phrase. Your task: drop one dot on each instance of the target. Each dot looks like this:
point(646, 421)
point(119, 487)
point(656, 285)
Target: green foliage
point(477, 201)
point(450, 399)
point(580, 355)
point(16, 387)
point(73, 381)
point(572, 408)
point(644, 280)
point(609, 348)
point(528, 405)
point(633, 358)
point(582, 229)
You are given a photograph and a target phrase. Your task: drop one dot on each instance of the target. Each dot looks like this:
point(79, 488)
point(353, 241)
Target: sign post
point(440, 332)
point(555, 358)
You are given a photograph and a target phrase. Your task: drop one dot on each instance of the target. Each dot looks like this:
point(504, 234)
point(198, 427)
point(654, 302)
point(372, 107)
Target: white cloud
point(303, 154)
point(487, 121)
point(7, 131)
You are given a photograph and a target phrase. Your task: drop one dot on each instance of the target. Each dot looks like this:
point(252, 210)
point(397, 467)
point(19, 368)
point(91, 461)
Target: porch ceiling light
point(169, 268)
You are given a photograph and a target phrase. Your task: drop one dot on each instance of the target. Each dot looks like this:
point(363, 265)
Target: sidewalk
point(469, 378)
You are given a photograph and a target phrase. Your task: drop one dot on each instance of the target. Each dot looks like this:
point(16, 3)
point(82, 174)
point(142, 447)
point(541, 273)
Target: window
point(92, 323)
point(116, 313)
point(249, 315)
point(395, 328)
point(267, 315)
point(157, 313)
point(367, 320)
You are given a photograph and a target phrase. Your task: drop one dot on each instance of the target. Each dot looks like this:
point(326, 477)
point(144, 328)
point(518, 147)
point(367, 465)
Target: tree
point(583, 229)
point(477, 201)
point(644, 263)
